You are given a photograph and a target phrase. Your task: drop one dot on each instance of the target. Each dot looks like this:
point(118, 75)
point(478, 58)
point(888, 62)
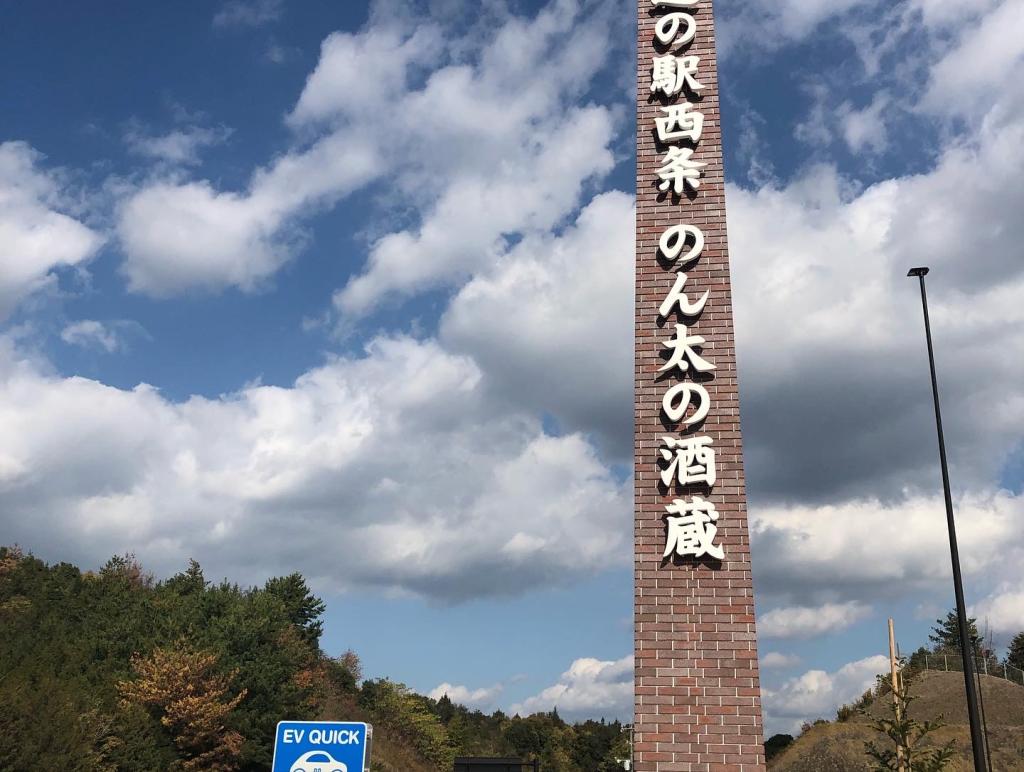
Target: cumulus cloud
point(474, 124)
point(777, 660)
point(942, 13)
point(590, 688)
point(767, 25)
point(1003, 610)
point(389, 470)
point(838, 422)
point(866, 128)
point(830, 330)
point(808, 621)
point(178, 236)
point(499, 129)
point(478, 699)
point(569, 301)
point(181, 146)
point(860, 549)
point(983, 64)
point(89, 333)
point(817, 693)
point(37, 237)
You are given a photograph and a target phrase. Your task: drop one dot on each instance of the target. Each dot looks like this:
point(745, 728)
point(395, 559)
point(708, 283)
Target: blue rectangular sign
point(322, 746)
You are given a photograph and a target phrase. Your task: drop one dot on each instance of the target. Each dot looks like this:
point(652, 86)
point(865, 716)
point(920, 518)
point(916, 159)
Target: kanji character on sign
point(692, 529)
point(667, 29)
point(678, 399)
point(679, 170)
point(669, 74)
point(682, 350)
point(680, 122)
point(690, 461)
point(679, 298)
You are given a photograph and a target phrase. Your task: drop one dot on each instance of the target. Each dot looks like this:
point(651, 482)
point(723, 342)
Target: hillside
point(839, 746)
point(111, 670)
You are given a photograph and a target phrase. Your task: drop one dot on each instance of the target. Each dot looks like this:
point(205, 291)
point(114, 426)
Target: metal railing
point(954, 663)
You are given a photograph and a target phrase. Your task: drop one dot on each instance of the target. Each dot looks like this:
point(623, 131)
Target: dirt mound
point(839, 746)
point(942, 694)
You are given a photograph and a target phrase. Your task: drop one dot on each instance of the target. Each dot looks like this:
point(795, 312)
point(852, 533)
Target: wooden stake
point(894, 667)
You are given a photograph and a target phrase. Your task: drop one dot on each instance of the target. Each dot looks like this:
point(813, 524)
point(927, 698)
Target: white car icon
point(317, 761)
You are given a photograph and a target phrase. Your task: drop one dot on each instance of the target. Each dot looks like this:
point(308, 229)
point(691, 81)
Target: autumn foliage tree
point(192, 700)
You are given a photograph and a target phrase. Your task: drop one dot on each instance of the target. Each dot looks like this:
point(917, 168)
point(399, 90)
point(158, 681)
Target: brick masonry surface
point(697, 691)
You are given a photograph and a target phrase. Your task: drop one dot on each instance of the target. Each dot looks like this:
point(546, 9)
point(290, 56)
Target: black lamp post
point(966, 646)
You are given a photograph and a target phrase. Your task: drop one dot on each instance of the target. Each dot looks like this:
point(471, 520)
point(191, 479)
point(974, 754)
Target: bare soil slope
point(839, 747)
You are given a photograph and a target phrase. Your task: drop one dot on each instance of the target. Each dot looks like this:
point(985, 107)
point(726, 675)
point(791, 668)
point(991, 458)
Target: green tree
point(905, 749)
point(945, 635)
point(407, 714)
point(303, 608)
point(776, 744)
point(1015, 656)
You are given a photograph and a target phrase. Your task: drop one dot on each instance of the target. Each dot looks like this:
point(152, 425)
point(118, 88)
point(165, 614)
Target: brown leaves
point(183, 688)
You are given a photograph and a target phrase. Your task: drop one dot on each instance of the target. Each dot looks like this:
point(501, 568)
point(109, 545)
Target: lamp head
point(922, 271)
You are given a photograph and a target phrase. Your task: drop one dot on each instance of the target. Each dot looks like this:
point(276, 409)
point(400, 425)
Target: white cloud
point(829, 328)
point(764, 24)
point(551, 323)
point(777, 660)
point(248, 13)
point(831, 356)
point(817, 693)
point(89, 333)
point(418, 486)
point(178, 236)
point(478, 699)
point(811, 621)
point(36, 238)
point(499, 133)
point(982, 67)
point(484, 135)
point(866, 128)
point(942, 13)
point(338, 88)
point(180, 146)
point(861, 549)
point(590, 688)
point(1003, 610)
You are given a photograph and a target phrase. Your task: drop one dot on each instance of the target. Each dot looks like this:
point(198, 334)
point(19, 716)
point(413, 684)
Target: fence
point(990, 667)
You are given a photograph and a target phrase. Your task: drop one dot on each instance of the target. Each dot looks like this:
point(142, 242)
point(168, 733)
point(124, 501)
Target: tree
point(776, 744)
point(1015, 656)
point(945, 635)
point(11, 604)
point(906, 734)
point(182, 688)
point(304, 609)
point(408, 714)
point(919, 660)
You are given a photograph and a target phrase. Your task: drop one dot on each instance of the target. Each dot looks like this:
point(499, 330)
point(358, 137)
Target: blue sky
point(347, 289)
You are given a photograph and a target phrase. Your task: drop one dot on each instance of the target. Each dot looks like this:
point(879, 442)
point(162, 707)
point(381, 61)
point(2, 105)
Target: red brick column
point(697, 692)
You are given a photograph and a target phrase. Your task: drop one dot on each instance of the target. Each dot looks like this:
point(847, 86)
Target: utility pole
point(966, 645)
point(895, 681)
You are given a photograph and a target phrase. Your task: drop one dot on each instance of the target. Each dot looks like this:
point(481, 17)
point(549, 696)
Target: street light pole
point(966, 646)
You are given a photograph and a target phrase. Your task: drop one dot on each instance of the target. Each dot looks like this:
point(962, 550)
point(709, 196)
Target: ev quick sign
point(322, 746)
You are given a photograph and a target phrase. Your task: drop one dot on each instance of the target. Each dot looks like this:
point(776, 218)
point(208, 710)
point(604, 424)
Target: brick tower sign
point(698, 704)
